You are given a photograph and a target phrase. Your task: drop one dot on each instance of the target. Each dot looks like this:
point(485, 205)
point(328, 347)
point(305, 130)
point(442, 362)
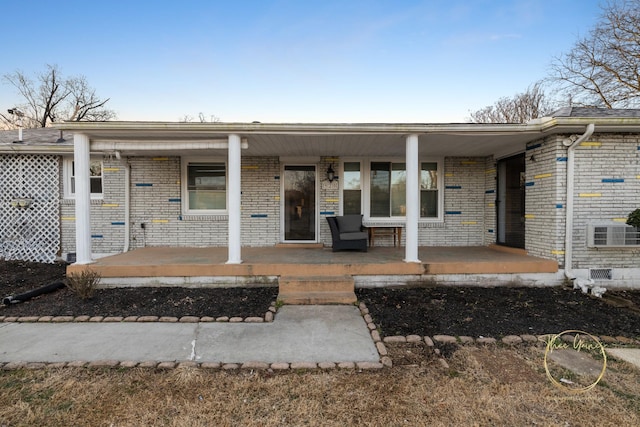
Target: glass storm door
point(510, 202)
point(299, 203)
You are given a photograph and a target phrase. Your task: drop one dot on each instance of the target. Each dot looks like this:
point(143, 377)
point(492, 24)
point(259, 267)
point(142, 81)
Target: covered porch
point(391, 162)
point(179, 266)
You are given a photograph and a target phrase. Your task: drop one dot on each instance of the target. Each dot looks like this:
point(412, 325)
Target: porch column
point(81, 159)
point(413, 199)
point(234, 210)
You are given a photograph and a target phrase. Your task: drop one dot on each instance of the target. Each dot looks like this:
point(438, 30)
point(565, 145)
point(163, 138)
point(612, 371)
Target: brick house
point(98, 189)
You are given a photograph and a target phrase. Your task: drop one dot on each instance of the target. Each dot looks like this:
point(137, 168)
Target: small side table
point(374, 231)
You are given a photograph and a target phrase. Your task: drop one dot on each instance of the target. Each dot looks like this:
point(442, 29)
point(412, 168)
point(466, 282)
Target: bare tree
point(601, 70)
point(52, 97)
point(520, 108)
point(201, 118)
point(84, 104)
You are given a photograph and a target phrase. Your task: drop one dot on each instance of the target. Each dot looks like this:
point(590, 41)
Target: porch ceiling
point(384, 145)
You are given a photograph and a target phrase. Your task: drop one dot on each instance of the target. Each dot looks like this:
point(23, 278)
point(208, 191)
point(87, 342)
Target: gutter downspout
point(568, 233)
point(127, 200)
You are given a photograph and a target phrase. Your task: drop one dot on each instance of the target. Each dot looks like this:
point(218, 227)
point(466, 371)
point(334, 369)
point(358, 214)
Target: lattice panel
point(29, 233)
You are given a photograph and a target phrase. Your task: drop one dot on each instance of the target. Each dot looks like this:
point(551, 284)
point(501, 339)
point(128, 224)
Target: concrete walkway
point(629, 355)
point(312, 334)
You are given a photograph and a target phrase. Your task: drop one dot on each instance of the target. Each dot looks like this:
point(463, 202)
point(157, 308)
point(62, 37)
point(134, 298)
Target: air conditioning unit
point(612, 236)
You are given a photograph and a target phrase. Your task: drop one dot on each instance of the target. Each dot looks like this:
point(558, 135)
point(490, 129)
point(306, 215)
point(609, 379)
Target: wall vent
point(600, 274)
point(612, 235)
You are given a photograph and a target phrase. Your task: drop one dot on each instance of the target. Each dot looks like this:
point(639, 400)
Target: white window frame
point(185, 185)
point(440, 189)
point(67, 167)
point(341, 182)
point(365, 170)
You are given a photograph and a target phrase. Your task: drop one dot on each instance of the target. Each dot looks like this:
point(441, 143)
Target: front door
point(510, 201)
point(299, 205)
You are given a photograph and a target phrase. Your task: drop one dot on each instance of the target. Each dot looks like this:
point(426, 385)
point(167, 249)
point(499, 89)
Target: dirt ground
point(457, 311)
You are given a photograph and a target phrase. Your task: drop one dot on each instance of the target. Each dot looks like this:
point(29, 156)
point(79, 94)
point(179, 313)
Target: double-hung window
point(205, 186)
point(429, 193)
point(351, 188)
point(95, 178)
point(388, 190)
point(380, 190)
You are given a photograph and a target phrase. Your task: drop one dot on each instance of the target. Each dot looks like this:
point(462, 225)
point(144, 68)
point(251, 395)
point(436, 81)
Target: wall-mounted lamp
point(331, 174)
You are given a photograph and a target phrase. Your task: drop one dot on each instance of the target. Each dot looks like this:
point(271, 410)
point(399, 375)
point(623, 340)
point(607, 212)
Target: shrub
point(634, 219)
point(83, 284)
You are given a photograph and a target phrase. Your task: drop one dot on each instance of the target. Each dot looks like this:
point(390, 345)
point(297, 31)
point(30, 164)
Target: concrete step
point(318, 298)
point(343, 283)
point(317, 290)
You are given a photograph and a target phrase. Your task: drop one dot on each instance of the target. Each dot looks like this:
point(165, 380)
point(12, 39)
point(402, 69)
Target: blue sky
point(294, 61)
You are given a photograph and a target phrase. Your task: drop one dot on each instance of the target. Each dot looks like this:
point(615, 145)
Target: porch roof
point(343, 139)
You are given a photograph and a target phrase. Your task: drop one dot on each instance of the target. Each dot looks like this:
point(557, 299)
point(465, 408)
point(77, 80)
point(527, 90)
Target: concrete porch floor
point(301, 261)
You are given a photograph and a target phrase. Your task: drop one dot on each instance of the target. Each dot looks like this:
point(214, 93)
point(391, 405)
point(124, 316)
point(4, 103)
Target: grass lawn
point(480, 386)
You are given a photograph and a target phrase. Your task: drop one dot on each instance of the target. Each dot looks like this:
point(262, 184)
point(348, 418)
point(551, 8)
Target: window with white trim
point(95, 178)
point(204, 186)
point(351, 188)
point(378, 189)
point(388, 190)
point(429, 191)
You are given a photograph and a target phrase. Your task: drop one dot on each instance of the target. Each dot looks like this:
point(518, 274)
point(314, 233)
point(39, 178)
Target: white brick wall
point(469, 217)
point(329, 196)
point(545, 169)
point(465, 206)
point(107, 214)
point(260, 201)
point(607, 189)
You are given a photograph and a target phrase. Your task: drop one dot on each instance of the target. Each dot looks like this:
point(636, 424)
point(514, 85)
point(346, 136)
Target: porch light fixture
point(331, 175)
point(19, 114)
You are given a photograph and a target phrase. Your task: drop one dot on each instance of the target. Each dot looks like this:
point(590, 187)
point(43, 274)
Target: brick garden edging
point(510, 340)
point(255, 365)
point(268, 317)
point(152, 364)
point(385, 359)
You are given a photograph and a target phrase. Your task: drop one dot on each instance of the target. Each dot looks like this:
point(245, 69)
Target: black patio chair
point(348, 232)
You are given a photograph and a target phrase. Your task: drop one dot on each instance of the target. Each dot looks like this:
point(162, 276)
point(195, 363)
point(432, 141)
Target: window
point(429, 190)
point(388, 189)
point(95, 178)
point(379, 189)
point(352, 189)
point(205, 186)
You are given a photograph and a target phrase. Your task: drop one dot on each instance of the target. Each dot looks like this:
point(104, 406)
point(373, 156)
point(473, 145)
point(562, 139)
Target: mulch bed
point(500, 311)
point(426, 311)
point(17, 277)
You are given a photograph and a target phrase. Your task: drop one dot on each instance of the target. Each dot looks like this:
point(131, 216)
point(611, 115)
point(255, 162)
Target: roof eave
point(295, 128)
point(36, 149)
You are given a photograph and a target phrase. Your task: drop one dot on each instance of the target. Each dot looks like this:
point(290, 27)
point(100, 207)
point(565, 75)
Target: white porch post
point(413, 199)
point(81, 158)
point(235, 148)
